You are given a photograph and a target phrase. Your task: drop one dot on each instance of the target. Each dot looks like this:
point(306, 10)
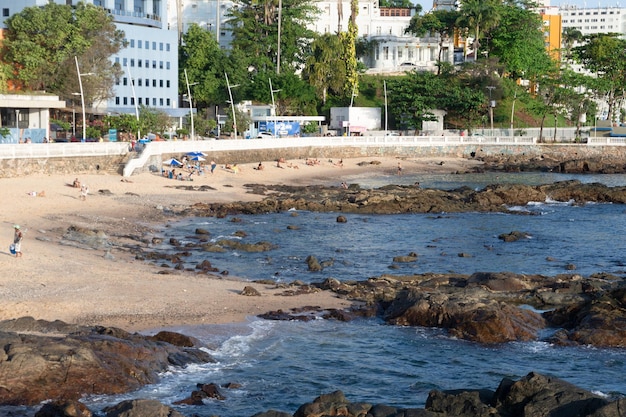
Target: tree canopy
point(41, 42)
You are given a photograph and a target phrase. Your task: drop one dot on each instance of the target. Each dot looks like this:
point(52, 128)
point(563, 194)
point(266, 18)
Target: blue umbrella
point(196, 153)
point(173, 161)
point(197, 158)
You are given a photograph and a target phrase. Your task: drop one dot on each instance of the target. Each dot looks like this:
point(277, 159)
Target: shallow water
point(282, 365)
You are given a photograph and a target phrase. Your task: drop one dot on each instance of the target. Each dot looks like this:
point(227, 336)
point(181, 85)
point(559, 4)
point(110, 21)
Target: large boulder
point(599, 321)
point(141, 408)
point(540, 395)
point(474, 317)
point(66, 362)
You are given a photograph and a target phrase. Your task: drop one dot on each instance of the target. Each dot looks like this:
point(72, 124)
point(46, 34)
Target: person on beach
point(76, 183)
point(213, 166)
point(17, 240)
point(399, 169)
point(260, 167)
point(84, 190)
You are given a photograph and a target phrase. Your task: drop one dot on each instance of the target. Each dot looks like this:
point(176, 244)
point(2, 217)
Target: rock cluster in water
point(398, 199)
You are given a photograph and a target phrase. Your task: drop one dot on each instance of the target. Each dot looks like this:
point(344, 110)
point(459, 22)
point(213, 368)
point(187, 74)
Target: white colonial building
point(392, 49)
point(150, 58)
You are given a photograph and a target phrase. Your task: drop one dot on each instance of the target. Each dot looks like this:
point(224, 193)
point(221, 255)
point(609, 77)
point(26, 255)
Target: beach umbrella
point(196, 153)
point(173, 161)
point(197, 158)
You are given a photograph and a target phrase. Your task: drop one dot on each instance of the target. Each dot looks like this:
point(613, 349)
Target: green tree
point(440, 22)
point(324, 69)
point(254, 25)
point(518, 41)
point(570, 36)
point(204, 61)
point(604, 55)
point(41, 43)
point(349, 39)
point(413, 97)
point(479, 17)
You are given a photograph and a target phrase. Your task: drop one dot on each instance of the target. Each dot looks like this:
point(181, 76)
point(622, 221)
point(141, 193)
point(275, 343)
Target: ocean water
point(281, 365)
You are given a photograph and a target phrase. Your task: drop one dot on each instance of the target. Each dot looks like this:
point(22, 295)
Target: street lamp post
point(491, 106)
point(82, 95)
point(232, 103)
point(272, 91)
point(385, 89)
point(193, 134)
point(132, 86)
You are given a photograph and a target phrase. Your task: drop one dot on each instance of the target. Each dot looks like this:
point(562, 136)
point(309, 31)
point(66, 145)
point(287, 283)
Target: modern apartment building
point(607, 19)
point(150, 58)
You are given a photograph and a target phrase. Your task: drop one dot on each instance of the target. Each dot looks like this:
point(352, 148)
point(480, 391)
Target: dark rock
point(201, 231)
point(64, 409)
point(175, 339)
point(461, 403)
point(539, 395)
point(250, 291)
point(342, 219)
point(273, 413)
point(514, 236)
point(313, 264)
point(141, 408)
point(334, 404)
point(67, 362)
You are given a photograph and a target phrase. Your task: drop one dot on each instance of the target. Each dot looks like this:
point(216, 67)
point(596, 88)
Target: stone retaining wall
point(114, 164)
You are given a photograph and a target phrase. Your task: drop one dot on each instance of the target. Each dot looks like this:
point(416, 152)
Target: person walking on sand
point(399, 169)
point(84, 190)
point(17, 240)
point(213, 166)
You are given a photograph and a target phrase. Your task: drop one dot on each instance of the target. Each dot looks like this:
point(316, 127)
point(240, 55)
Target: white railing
point(60, 150)
point(57, 150)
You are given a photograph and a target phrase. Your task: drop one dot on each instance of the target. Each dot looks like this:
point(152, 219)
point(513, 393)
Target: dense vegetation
point(507, 64)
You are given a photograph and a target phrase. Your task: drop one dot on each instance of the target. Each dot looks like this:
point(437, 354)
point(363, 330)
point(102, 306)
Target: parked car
point(265, 135)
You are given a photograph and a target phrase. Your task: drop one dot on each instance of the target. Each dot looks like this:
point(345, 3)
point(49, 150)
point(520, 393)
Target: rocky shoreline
point(60, 362)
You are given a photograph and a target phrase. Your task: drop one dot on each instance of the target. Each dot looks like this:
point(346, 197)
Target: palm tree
point(479, 16)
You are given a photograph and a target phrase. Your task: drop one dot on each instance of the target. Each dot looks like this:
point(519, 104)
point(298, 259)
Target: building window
point(167, 65)
point(161, 83)
point(5, 12)
point(139, 101)
point(160, 46)
point(160, 64)
point(167, 47)
point(125, 62)
point(132, 62)
point(125, 81)
point(132, 43)
point(399, 53)
point(139, 63)
point(154, 46)
point(126, 101)
point(154, 82)
point(117, 101)
point(168, 102)
point(385, 53)
point(154, 64)
point(132, 101)
point(147, 64)
point(154, 101)
point(161, 102)
point(168, 83)
point(139, 80)
point(139, 43)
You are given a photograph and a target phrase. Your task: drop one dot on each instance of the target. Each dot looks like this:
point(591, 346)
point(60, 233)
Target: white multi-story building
point(392, 49)
point(150, 58)
point(208, 14)
point(589, 21)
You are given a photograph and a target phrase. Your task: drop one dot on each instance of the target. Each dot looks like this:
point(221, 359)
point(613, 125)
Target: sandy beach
point(54, 280)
